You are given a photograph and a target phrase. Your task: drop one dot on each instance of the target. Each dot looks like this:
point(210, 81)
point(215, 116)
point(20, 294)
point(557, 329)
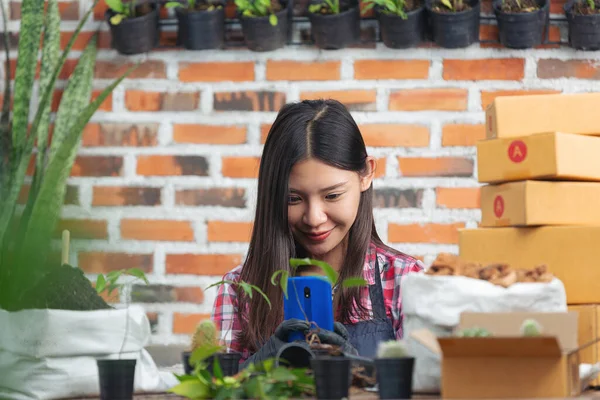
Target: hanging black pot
point(395, 377)
point(116, 379)
point(135, 35)
point(336, 31)
point(332, 377)
point(522, 30)
point(454, 29)
point(260, 35)
point(584, 29)
point(201, 29)
point(400, 33)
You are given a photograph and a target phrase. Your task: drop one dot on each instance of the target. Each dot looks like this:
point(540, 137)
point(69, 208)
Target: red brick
point(101, 263)
point(140, 100)
point(189, 295)
point(149, 69)
point(395, 135)
point(125, 196)
point(216, 72)
point(550, 68)
point(224, 231)
point(484, 69)
point(424, 233)
point(224, 197)
point(83, 228)
point(143, 229)
point(391, 69)
point(249, 101)
point(240, 167)
point(462, 134)
point(97, 166)
point(381, 167)
point(202, 264)
point(354, 100)
point(303, 70)
point(172, 165)
point(487, 97)
point(264, 132)
point(429, 99)
point(209, 134)
point(457, 197)
point(185, 324)
point(82, 40)
point(490, 32)
point(441, 166)
point(120, 134)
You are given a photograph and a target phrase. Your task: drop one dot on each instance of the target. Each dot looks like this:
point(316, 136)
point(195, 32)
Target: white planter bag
point(435, 303)
point(51, 354)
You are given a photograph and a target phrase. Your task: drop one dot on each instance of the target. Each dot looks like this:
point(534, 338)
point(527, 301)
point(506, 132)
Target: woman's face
point(323, 203)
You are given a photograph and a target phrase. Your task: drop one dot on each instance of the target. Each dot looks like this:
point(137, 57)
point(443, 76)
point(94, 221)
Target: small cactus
point(474, 332)
point(391, 349)
point(531, 327)
point(205, 334)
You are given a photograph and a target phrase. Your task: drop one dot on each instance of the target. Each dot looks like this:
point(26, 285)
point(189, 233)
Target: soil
point(276, 6)
point(205, 6)
point(410, 5)
point(64, 288)
point(440, 8)
point(512, 6)
point(582, 7)
point(142, 9)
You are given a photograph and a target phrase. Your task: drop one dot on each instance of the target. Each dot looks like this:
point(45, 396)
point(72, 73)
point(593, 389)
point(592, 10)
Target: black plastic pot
point(294, 355)
point(522, 30)
point(452, 30)
point(335, 31)
point(116, 379)
point(260, 35)
point(185, 358)
point(584, 30)
point(201, 30)
point(394, 377)
point(229, 363)
point(399, 33)
point(134, 35)
point(332, 377)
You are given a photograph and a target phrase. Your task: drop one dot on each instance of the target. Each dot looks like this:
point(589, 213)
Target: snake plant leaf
point(47, 207)
point(5, 134)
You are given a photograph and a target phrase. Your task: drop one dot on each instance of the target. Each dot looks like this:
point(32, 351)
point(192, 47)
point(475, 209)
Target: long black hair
point(323, 130)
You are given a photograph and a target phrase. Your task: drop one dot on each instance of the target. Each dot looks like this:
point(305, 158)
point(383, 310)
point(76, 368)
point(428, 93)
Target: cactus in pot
point(394, 369)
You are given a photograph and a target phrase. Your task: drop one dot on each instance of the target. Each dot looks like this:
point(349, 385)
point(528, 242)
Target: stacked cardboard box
point(540, 162)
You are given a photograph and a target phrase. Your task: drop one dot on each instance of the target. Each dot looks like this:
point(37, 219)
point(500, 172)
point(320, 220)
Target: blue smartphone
point(308, 297)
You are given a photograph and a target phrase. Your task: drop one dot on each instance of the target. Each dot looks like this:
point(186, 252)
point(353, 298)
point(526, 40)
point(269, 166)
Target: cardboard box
point(572, 254)
point(553, 155)
point(507, 365)
point(531, 203)
point(588, 331)
point(511, 116)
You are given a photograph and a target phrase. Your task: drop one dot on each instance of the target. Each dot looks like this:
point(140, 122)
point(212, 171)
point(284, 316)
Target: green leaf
point(447, 3)
point(257, 289)
point(100, 283)
point(353, 282)
point(116, 5)
point(282, 374)
point(330, 273)
point(191, 390)
point(203, 352)
point(273, 19)
point(283, 281)
point(217, 371)
point(247, 288)
point(219, 284)
point(173, 4)
point(116, 19)
point(138, 273)
point(367, 7)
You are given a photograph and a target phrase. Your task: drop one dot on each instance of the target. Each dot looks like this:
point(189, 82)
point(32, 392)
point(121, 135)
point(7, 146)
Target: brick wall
point(165, 176)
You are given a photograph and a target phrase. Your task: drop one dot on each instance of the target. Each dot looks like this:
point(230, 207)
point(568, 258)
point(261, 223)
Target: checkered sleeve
point(402, 266)
point(224, 313)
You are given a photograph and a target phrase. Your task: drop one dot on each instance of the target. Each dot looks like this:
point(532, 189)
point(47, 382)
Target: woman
point(315, 199)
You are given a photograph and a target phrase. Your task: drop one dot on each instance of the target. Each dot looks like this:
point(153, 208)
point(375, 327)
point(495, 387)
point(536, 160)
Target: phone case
point(312, 296)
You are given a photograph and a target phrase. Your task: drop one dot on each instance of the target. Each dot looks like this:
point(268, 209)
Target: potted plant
point(402, 23)
point(116, 376)
point(454, 23)
point(394, 368)
point(334, 25)
point(521, 23)
point(265, 24)
point(201, 24)
point(583, 17)
point(133, 25)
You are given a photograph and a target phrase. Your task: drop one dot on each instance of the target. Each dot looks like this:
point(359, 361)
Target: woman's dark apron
point(366, 335)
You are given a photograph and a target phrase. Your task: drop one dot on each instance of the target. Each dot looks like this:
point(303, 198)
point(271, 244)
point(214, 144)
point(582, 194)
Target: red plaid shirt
point(392, 266)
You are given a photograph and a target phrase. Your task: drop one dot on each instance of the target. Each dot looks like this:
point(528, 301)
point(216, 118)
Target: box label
point(498, 206)
point(517, 151)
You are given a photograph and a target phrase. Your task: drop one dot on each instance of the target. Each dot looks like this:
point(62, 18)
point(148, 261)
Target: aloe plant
point(25, 238)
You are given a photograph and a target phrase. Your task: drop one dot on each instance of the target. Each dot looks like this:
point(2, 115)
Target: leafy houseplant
point(402, 22)
point(454, 23)
point(266, 24)
point(394, 368)
point(583, 17)
point(521, 23)
point(334, 24)
point(133, 25)
point(201, 23)
point(116, 376)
